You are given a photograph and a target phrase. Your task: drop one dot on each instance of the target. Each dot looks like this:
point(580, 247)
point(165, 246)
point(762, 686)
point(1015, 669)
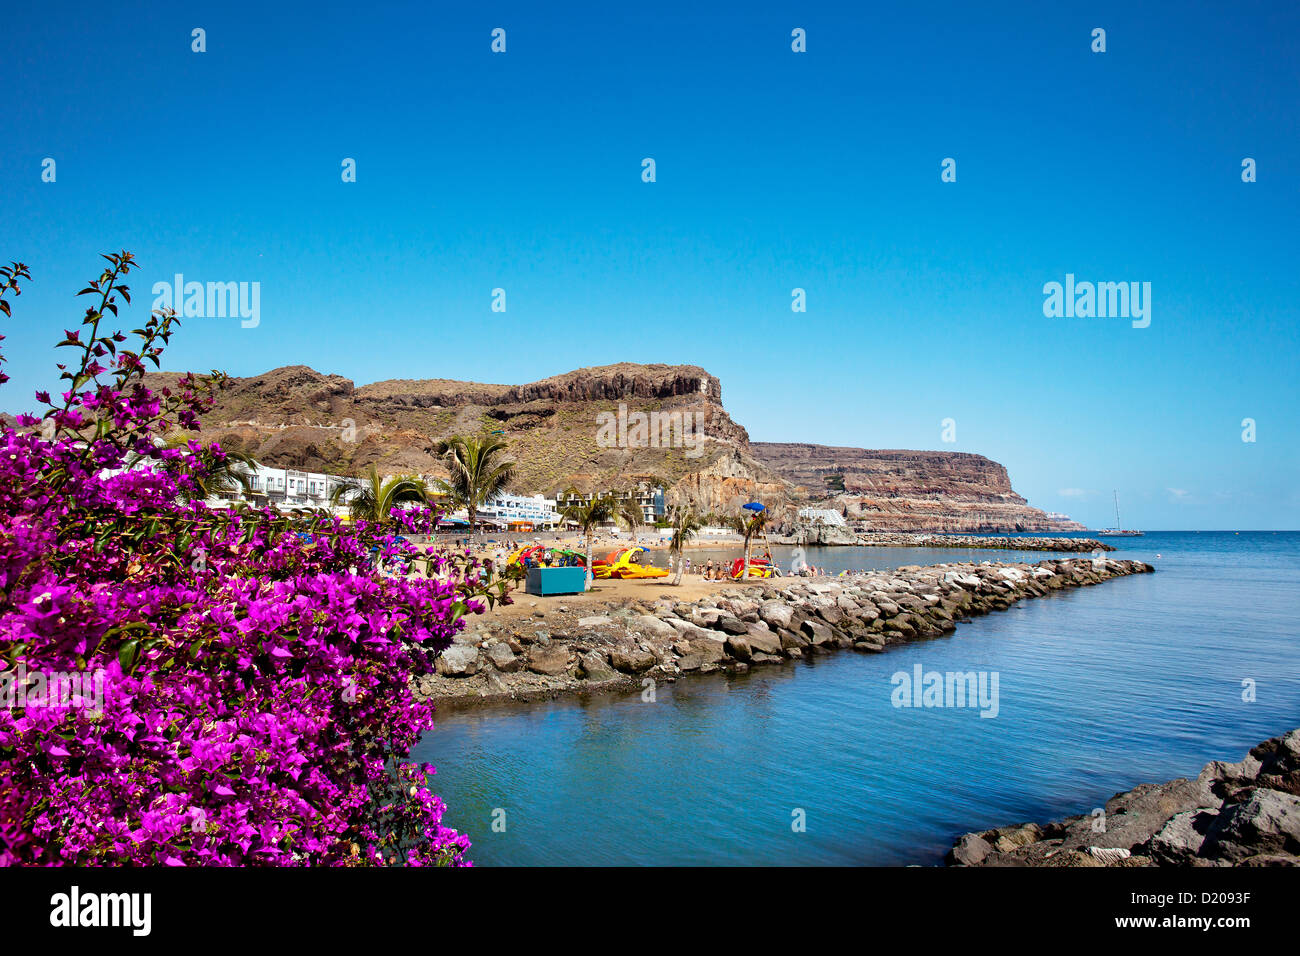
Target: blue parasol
point(753, 506)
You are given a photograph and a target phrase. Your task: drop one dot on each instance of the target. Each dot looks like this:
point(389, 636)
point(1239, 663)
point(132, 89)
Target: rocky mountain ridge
point(899, 490)
point(297, 417)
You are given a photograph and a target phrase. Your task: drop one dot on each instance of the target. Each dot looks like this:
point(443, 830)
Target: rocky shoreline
point(1232, 814)
point(843, 537)
point(560, 651)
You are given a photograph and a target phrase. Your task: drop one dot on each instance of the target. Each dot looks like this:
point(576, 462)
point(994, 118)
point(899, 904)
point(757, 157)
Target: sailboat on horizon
point(1118, 531)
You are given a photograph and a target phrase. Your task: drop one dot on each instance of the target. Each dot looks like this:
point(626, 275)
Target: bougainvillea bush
point(191, 685)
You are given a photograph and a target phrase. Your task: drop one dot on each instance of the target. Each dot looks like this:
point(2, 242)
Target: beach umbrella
point(753, 506)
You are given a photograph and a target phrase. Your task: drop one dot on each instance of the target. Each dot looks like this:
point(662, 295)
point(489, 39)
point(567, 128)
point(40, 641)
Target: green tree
point(686, 525)
point(475, 472)
point(373, 497)
point(589, 516)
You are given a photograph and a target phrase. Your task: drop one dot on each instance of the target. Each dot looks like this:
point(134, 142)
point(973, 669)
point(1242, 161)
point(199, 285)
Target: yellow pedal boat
point(626, 564)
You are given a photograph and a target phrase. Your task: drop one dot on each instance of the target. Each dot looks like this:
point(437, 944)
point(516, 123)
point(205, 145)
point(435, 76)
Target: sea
point(814, 762)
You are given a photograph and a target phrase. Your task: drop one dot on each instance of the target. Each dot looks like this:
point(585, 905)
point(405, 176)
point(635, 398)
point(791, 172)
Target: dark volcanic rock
point(1267, 822)
point(1232, 813)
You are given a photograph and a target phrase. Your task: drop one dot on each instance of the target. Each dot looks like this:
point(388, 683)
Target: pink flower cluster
point(257, 704)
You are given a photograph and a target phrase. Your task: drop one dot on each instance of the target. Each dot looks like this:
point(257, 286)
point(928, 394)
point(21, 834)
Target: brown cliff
point(898, 490)
point(297, 417)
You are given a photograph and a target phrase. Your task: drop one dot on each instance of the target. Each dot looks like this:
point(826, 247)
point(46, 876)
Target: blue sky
point(775, 170)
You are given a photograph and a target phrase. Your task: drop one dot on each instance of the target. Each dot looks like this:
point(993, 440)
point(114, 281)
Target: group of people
point(720, 570)
point(711, 571)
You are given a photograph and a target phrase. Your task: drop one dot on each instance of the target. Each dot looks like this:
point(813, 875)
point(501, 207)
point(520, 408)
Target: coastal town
point(579, 440)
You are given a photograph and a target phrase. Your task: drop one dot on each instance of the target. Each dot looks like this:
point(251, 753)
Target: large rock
point(551, 659)
point(702, 617)
point(730, 624)
point(1007, 839)
point(691, 661)
point(817, 632)
point(1134, 817)
point(776, 613)
point(654, 627)
point(831, 614)
point(503, 659)
point(1179, 842)
point(1267, 822)
point(1225, 779)
point(867, 612)
point(459, 660)
point(595, 667)
point(710, 646)
point(791, 641)
point(763, 640)
point(739, 647)
point(631, 659)
point(970, 850)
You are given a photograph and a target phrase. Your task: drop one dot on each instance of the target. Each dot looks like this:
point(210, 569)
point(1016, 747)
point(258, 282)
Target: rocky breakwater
point(830, 535)
point(902, 540)
point(1232, 814)
point(563, 650)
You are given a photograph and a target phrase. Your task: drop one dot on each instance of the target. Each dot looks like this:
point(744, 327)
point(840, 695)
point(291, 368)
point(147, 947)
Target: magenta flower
point(254, 707)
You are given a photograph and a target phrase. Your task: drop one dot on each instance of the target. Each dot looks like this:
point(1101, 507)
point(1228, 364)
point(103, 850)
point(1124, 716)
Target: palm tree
point(475, 474)
point(589, 516)
point(373, 498)
point(686, 524)
point(748, 526)
point(628, 512)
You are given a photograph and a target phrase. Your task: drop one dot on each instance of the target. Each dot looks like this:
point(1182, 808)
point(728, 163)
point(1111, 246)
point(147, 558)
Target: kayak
point(625, 564)
point(758, 568)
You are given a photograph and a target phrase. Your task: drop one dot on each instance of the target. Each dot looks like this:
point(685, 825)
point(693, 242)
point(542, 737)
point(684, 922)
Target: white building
point(827, 516)
point(508, 509)
point(291, 488)
point(649, 497)
point(713, 531)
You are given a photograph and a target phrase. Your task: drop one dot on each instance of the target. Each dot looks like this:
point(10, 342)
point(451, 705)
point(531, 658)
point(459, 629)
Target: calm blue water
point(1137, 680)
